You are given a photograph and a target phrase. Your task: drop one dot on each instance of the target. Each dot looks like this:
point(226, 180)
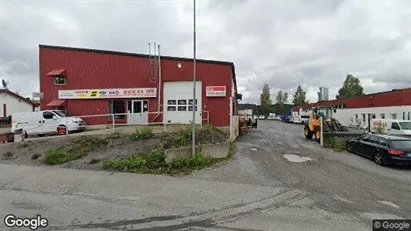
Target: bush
point(187, 165)
point(142, 134)
point(334, 143)
point(182, 137)
point(114, 136)
point(56, 156)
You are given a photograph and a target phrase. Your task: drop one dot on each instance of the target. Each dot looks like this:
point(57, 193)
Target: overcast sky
point(282, 43)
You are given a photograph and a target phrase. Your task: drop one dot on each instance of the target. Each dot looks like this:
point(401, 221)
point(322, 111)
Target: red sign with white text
point(216, 91)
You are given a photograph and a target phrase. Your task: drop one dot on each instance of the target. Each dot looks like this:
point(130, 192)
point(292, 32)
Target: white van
point(301, 119)
point(391, 127)
point(45, 122)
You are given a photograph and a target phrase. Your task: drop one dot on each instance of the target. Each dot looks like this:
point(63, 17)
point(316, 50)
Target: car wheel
point(349, 147)
point(317, 134)
point(61, 130)
point(378, 159)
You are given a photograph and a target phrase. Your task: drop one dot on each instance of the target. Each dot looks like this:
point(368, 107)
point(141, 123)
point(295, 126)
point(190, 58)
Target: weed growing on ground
point(82, 146)
point(114, 136)
point(57, 156)
point(334, 143)
point(182, 137)
point(8, 154)
point(94, 161)
point(35, 156)
point(142, 133)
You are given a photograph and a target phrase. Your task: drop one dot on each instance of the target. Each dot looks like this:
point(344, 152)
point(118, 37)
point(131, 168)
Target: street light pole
point(194, 104)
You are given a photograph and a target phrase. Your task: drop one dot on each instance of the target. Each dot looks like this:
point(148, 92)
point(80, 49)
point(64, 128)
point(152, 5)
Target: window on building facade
point(403, 115)
point(190, 102)
point(59, 80)
point(394, 116)
point(117, 107)
point(190, 108)
point(171, 102)
point(363, 118)
point(356, 116)
point(409, 115)
point(182, 108)
point(382, 116)
point(171, 108)
point(373, 116)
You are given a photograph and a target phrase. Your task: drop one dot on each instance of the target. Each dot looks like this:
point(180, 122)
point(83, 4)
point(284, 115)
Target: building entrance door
point(138, 112)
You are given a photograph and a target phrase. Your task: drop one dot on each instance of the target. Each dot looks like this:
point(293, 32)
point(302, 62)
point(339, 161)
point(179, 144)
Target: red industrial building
point(149, 89)
point(394, 104)
point(396, 97)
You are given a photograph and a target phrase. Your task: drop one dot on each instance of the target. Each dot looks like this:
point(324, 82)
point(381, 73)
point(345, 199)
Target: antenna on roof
point(4, 83)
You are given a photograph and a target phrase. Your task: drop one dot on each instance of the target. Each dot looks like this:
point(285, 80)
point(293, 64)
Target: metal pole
point(194, 82)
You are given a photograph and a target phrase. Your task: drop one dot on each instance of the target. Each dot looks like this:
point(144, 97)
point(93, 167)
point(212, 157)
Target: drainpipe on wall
point(159, 85)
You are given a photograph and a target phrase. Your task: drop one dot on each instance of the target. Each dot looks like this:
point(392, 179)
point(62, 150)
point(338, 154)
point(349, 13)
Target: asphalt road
point(259, 190)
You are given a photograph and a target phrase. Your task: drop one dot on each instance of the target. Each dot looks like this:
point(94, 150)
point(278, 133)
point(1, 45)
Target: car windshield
point(59, 113)
point(405, 125)
point(401, 144)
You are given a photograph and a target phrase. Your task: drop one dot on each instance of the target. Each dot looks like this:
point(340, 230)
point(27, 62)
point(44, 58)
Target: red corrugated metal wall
point(87, 70)
point(210, 75)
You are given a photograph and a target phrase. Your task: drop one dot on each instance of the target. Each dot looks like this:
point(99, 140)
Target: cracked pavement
point(258, 190)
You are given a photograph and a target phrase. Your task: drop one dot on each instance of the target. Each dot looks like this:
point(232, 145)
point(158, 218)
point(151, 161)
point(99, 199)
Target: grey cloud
point(282, 43)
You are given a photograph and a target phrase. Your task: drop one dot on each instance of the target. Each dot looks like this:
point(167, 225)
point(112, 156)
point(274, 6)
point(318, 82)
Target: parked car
point(383, 149)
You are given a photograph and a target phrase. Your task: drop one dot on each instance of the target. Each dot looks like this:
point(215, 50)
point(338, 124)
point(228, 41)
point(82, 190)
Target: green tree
point(282, 98)
point(265, 100)
point(351, 88)
point(299, 97)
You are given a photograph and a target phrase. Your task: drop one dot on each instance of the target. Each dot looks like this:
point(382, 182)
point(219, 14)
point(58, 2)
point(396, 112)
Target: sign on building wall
point(216, 91)
point(108, 93)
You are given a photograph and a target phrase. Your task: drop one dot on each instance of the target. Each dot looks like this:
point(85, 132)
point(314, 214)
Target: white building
point(11, 103)
point(354, 112)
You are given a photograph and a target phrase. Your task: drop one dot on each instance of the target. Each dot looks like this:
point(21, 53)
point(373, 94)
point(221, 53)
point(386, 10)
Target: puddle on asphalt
point(389, 204)
point(296, 158)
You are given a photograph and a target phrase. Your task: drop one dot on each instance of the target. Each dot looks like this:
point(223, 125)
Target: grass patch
point(94, 161)
point(181, 138)
point(57, 156)
point(81, 147)
point(35, 156)
point(154, 163)
point(334, 143)
point(204, 135)
point(143, 133)
point(114, 136)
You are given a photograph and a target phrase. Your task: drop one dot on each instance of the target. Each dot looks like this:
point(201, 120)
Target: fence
point(109, 122)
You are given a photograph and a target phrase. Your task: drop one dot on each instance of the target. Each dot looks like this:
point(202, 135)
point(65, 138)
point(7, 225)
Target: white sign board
point(216, 91)
point(108, 93)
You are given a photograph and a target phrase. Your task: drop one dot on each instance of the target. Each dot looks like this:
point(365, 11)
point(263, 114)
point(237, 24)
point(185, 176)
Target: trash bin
point(18, 135)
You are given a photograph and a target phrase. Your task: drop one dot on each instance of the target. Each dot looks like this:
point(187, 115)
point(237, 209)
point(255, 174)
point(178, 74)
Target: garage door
point(178, 98)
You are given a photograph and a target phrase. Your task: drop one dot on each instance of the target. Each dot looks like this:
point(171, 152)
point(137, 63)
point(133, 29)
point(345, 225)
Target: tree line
point(351, 88)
